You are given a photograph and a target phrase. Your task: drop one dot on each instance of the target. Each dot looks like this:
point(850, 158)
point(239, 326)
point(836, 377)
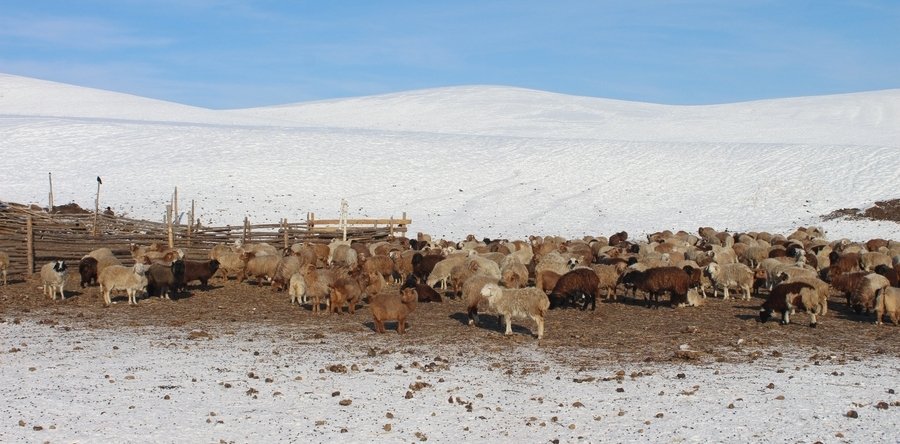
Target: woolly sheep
point(788, 296)
point(518, 303)
point(888, 301)
point(608, 277)
point(230, 264)
point(513, 273)
point(656, 281)
point(471, 291)
point(258, 267)
point(297, 289)
point(863, 297)
point(730, 275)
point(441, 271)
point(869, 260)
point(130, 279)
point(345, 290)
point(53, 277)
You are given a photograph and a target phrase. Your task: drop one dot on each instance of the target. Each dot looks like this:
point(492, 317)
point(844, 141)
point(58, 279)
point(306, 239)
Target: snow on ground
point(491, 161)
point(76, 384)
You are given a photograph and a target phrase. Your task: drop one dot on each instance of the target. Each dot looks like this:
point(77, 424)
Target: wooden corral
point(32, 237)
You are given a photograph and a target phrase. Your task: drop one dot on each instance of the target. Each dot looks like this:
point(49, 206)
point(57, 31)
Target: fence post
point(29, 247)
point(284, 227)
point(169, 230)
point(246, 236)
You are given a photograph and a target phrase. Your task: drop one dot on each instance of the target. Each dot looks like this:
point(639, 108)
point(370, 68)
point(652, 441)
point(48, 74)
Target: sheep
point(87, 269)
point(258, 267)
point(317, 285)
point(546, 280)
point(788, 296)
point(655, 281)
point(106, 261)
point(513, 273)
point(552, 261)
point(117, 277)
point(863, 297)
point(608, 276)
point(297, 289)
point(890, 273)
point(53, 276)
point(823, 290)
point(847, 282)
point(332, 246)
point(423, 265)
point(472, 295)
point(377, 264)
point(165, 279)
point(732, 274)
point(520, 303)
point(697, 278)
point(259, 249)
point(441, 270)
point(888, 301)
point(4, 266)
point(286, 267)
point(344, 256)
point(403, 261)
point(393, 306)
point(869, 260)
point(693, 299)
point(426, 293)
point(485, 266)
point(579, 285)
point(217, 251)
point(345, 290)
point(230, 264)
point(201, 271)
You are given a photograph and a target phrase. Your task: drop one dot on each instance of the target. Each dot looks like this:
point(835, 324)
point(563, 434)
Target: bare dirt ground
point(623, 331)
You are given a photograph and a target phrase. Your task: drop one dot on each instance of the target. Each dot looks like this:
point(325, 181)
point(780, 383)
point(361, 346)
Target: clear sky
point(238, 54)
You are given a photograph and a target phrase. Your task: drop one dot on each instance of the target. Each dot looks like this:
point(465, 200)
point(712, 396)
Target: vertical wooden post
point(284, 228)
point(246, 236)
point(29, 247)
point(169, 228)
point(190, 227)
point(50, 208)
point(176, 216)
point(97, 207)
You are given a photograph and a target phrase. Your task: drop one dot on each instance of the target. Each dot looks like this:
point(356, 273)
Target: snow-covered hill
point(487, 160)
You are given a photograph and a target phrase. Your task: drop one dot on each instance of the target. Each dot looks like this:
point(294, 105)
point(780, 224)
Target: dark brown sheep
point(163, 280)
point(889, 272)
point(87, 268)
point(847, 282)
point(199, 271)
point(656, 281)
point(423, 267)
point(578, 286)
point(426, 293)
point(785, 297)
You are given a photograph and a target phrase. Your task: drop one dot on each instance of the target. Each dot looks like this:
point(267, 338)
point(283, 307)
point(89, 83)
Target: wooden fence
point(33, 237)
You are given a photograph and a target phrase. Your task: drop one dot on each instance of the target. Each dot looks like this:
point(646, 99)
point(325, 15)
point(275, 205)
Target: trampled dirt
point(621, 331)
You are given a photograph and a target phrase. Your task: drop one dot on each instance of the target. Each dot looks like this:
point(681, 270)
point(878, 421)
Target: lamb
point(165, 280)
point(116, 277)
point(53, 276)
point(393, 306)
point(520, 303)
point(863, 297)
point(87, 268)
point(732, 274)
point(788, 296)
point(888, 301)
point(577, 285)
point(472, 295)
point(4, 266)
point(297, 289)
point(201, 271)
point(345, 290)
point(655, 281)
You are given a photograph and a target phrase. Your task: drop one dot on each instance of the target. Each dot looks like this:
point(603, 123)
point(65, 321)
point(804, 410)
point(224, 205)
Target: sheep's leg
point(786, 317)
point(401, 325)
point(539, 320)
point(473, 315)
point(508, 320)
point(62, 293)
point(812, 321)
point(379, 326)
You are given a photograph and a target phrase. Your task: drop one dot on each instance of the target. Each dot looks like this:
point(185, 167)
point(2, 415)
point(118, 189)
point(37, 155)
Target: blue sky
point(238, 54)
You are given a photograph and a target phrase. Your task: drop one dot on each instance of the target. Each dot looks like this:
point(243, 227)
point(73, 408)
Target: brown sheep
point(863, 297)
point(546, 280)
point(87, 268)
point(201, 271)
point(578, 286)
point(787, 296)
point(472, 294)
point(655, 281)
point(393, 306)
point(345, 290)
point(847, 282)
point(426, 293)
point(318, 285)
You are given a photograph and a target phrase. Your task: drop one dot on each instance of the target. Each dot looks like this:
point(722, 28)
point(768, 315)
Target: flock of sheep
point(522, 279)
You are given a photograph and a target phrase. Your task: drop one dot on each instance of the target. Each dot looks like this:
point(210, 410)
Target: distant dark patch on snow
point(882, 210)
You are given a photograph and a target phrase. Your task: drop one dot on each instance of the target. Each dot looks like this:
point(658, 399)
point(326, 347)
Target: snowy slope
point(490, 161)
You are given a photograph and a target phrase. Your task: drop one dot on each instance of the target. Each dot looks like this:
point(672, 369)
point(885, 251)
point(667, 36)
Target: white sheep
point(4, 265)
point(888, 301)
point(53, 276)
point(520, 303)
point(297, 289)
point(441, 271)
point(130, 279)
point(728, 275)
